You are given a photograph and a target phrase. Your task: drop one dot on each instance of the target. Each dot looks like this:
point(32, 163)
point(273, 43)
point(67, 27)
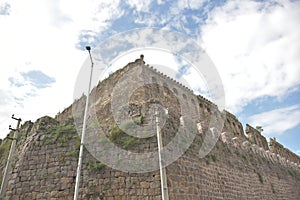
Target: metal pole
point(83, 129)
point(162, 170)
point(8, 163)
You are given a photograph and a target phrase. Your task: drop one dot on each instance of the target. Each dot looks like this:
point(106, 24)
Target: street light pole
point(11, 153)
point(162, 169)
point(88, 48)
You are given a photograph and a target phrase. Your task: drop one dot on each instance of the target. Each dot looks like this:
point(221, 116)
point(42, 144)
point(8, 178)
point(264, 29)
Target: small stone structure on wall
point(255, 137)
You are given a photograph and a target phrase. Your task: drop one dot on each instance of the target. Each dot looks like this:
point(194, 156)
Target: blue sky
point(255, 45)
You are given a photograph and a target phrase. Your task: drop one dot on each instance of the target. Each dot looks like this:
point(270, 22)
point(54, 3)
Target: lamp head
point(88, 48)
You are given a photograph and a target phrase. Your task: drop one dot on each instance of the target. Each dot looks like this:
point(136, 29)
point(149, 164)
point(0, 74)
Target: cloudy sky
point(255, 46)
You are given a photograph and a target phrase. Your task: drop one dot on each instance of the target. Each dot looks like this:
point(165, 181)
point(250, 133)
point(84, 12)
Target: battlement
point(277, 155)
point(178, 84)
point(279, 149)
point(232, 126)
point(230, 115)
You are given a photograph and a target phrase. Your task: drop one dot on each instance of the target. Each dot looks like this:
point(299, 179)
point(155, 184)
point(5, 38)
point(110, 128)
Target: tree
point(259, 128)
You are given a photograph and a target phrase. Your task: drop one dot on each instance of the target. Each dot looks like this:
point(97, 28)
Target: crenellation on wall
point(246, 146)
point(171, 80)
point(255, 137)
point(207, 102)
point(233, 171)
point(277, 148)
point(233, 129)
point(233, 125)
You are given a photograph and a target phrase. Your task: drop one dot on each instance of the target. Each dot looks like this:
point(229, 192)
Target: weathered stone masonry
point(239, 166)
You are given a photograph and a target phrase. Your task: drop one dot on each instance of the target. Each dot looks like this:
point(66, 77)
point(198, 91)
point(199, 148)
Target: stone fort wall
point(239, 166)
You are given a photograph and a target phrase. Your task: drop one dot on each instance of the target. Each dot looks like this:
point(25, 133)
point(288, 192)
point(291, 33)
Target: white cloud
point(190, 4)
point(277, 121)
point(41, 36)
point(255, 46)
point(4, 8)
point(57, 17)
point(139, 5)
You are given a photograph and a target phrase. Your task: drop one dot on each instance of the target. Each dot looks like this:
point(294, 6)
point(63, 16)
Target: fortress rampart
point(232, 128)
point(240, 166)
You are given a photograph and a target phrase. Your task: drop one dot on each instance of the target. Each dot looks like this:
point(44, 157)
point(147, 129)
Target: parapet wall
point(232, 126)
point(279, 149)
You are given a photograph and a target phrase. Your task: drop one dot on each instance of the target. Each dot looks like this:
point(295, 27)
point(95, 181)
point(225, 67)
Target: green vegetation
point(70, 121)
point(214, 158)
point(272, 187)
point(19, 136)
point(93, 165)
point(46, 175)
point(244, 157)
point(192, 146)
point(139, 120)
point(131, 141)
point(259, 128)
point(133, 182)
point(104, 186)
point(120, 138)
point(228, 150)
point(61, 133)
point(74, 152)
point(60, 156)
point(290, 172)
point(260, 177)
point(4, 149)
point(207, 162)
point(91, 186)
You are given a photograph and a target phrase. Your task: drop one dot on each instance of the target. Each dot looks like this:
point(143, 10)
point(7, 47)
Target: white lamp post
point(83, 128)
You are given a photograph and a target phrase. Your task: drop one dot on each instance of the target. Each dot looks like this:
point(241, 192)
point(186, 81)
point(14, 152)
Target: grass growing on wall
point(4, 149)
point(214, 158)
point(94, 165)
point(261, 180)
point(273, 189)
point(120, 138)
point(61, 133)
